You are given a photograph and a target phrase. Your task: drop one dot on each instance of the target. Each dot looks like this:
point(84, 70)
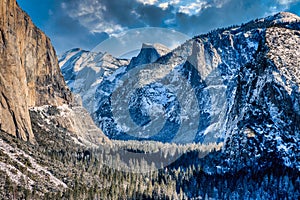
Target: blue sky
point(85, 23)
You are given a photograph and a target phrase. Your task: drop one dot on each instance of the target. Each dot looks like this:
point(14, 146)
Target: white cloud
point(287, 2)
point(163, 6)
point(90, 14)
point(148, 2)
point(108, 28)
point(94, 15)
point(193, 8)
point(174, 2)
point(189, 7)
point(282, 5)
point(170, 21)
point(112, 18)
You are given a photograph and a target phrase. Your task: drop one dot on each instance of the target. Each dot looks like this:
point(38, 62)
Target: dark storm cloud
point(125, 13)
point(133, 14)
point(85, 23)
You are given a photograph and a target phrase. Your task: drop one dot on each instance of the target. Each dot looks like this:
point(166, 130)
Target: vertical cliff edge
point(29, 74)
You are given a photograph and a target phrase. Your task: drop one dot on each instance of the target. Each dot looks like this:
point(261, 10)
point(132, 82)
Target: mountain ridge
point(251, 76)
point(240, 75)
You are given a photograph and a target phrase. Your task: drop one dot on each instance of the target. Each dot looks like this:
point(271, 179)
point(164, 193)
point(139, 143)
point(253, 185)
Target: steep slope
point(149, 53)
point(31, 81)
point(29, 73)
point(39, 116)
point(84, 70)
point(102, 112)
point(246, 87)
point(237, 84)
point(244, 79)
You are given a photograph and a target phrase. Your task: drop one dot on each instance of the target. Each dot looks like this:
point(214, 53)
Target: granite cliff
point(29, 75)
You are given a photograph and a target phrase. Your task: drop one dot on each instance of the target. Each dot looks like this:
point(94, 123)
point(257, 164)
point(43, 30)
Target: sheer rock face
point(149, 54)
point(29, 72)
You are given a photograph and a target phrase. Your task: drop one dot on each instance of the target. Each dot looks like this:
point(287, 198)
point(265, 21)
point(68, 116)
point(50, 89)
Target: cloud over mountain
point(85, 23)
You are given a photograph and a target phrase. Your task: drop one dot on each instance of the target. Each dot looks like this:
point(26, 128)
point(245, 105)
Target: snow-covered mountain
point(84, 70)
point(238, 84)
point(148, 54)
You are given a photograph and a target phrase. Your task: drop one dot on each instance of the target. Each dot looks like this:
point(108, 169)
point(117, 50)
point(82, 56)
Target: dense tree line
point(100, 173)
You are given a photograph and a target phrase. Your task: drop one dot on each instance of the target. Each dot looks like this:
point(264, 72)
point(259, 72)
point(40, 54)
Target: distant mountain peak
point(149, 53)
point(83, 70)
point(160, 48)
point(107, 57)
point(284, 17)
point(75, 49)
point(245, 79)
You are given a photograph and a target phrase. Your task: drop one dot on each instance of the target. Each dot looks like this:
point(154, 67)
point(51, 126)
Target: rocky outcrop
point(29, 72)
point(149, 53)
point(73, 121)
point(30, 78)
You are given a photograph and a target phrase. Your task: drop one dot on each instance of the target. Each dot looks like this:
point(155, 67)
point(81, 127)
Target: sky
point(86, 23)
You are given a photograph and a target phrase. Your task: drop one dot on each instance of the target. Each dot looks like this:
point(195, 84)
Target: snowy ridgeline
point(235, 84)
